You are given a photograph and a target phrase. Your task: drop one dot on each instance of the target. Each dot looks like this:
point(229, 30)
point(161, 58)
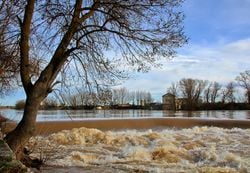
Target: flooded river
point(197, 149)
point(66, 115)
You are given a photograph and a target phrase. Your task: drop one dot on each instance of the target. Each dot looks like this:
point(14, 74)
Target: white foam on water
point(198, 149)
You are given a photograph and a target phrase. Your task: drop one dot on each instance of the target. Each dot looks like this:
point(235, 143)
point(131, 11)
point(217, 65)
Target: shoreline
point(48, 127)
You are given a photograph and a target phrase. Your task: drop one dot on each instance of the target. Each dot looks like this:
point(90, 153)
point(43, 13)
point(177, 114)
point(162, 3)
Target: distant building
point(170, 102)
point(142, 102)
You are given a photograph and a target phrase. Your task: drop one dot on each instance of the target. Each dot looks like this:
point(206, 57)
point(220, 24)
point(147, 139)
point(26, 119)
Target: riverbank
point(8, 162)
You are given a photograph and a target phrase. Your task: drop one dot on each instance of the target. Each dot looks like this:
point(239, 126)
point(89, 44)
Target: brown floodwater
point(198, 149)
point(49, 127)
point(78, 115)
point(155, 145)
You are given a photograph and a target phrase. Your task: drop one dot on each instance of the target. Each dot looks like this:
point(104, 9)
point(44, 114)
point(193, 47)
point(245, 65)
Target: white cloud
point(220, 63)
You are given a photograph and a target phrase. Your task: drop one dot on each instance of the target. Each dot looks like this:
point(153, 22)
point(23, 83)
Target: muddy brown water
point(138, 123)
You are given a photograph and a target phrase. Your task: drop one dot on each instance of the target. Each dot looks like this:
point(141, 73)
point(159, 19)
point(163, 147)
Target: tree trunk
point(26, 128)
point(248, 96)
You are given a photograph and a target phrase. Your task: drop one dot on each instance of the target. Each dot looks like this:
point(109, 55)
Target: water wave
point(197, 149)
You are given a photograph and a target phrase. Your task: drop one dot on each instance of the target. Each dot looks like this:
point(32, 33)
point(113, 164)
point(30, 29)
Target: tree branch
point(24, 45)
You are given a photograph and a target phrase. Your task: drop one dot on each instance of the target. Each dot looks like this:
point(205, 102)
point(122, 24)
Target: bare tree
point(215, 91)
point(191, 90)
point(9, 48)
point(69, 98)
point(140, 97)
point(211, 93)
point(105, 96)
point(73, 101)
point(82, 33)
point(90, 99)
point(143, 98)
point(244, 81)
point(207, 93)
point(173, 89)
point(223, 95)
point(115, 97)
point(228, 93)
point(120, 95)
point(133, 97)
point(148, 98)
point(124, 95)
point(77, 98)
point(49, 103)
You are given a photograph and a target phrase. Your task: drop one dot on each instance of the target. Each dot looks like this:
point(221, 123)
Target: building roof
point(168, 94)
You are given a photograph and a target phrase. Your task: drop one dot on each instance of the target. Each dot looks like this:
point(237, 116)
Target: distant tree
point(77, 98)
point(49, 103)
point(223, 95)
point(82, 96)
point(115, 97)
point(228, 93)
point(20, 104)
point(123, 96)
point(104, 96)
point(148, 98)
point(73, 101)
point(207, 93)
point(214, 94)
point(81, 33)
point(91, 99)
point(191, 90)
point(133, 97)
point(120, 95)
point(143, 97)
point(211, 92)
point(244, 81)
point(138, 97)
point(173, 89)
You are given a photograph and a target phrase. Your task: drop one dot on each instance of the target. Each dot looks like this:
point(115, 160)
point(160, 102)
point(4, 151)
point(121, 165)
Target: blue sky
point(218, 48)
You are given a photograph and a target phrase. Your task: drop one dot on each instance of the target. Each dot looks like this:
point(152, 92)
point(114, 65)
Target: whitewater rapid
point(198, 149)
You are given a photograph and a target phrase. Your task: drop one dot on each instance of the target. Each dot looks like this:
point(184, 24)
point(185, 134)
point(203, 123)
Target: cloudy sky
point(218, 48)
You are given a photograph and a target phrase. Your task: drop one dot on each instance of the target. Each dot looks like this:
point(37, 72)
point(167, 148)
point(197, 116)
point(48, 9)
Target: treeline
point(106, 98)
point(207, 95)
point(187, 94)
